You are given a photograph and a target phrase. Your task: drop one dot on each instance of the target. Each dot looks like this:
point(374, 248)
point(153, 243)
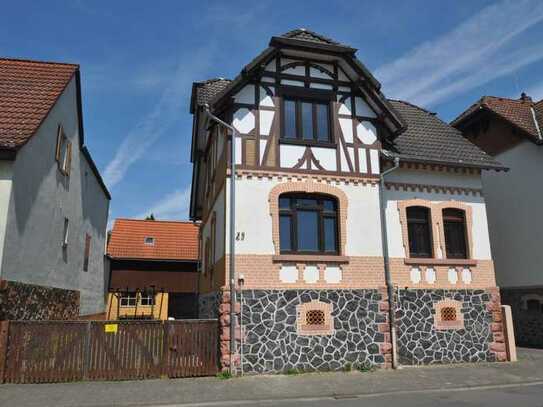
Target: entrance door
point(182, 306)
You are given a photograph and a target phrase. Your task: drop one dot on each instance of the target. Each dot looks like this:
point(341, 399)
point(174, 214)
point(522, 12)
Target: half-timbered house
point(315, 260)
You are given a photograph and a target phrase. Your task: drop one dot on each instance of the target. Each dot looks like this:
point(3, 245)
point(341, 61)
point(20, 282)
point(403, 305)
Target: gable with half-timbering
point(305, 116)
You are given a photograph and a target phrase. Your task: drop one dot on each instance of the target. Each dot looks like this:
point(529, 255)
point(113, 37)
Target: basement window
point(150, 241)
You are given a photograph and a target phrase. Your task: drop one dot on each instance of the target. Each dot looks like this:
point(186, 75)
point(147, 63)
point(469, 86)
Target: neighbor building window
point(65, 232)
point(308, 224)
point(147, 299)
point(63, 153)
point(419, 231)
point(534, 305)
point(454, 227)
point(306, 120)
point(86, 252)
point(128, 299)
point(150, 241)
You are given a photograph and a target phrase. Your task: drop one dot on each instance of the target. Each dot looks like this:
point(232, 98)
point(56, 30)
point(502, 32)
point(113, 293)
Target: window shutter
point(68, 159)
point(60, 134)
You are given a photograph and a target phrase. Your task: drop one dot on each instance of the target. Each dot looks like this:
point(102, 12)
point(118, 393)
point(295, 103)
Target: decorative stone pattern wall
point(421, 342)
point(272, 344)
point(33, 302)
point(208, 305)
point(528, 325)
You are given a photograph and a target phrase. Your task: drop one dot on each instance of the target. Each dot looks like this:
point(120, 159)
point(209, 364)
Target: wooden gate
point(58, 351)
point(191, 348)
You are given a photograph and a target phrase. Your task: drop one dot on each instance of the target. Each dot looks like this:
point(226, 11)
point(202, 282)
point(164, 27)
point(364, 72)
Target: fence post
point(4, 331)
point(165, 368)
point(509, 333)
point(87, 351)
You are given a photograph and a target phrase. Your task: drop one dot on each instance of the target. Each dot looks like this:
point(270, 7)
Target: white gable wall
point(515, 211)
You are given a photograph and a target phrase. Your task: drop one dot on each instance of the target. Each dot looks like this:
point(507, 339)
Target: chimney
point(525, 98)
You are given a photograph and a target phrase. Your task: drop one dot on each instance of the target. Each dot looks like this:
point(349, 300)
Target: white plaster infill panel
point(332, 274)
point(326, 157)
point(315, 85)
point(290, 154)
point(266, 120)
point(345, 106)
point(362, 108)
point(246, 95)
point(311, 274)
point(291, 83)
point(362, 160)
point(265, 99)
point(374, 159)
point(316, 73)
point(262, 150)
point(347, 129)
point(366, 132)
point(288, 274)
point(244, 120)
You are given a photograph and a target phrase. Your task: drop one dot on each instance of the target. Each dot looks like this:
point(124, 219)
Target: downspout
point(231, 271)
point(388, 278)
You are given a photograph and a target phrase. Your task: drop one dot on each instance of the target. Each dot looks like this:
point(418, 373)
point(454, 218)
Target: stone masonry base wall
point(528, 325)
point(480, 339)
point(33, 302)
point(272, 343)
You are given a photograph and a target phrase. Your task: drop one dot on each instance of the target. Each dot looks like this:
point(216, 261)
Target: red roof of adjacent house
point(171, 240)
point(522, 113)
point(28, 91)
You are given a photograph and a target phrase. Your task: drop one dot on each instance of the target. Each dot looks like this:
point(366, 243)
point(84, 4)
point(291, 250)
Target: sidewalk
point(529, 369)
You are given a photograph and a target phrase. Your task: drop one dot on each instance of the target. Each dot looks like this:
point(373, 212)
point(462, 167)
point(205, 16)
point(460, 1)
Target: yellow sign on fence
point(111, 328)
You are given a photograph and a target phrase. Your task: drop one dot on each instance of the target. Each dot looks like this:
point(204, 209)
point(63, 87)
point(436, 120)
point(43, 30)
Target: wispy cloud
point(174, 205)
point(453, 63)
point(535, 91)
point(168, 109)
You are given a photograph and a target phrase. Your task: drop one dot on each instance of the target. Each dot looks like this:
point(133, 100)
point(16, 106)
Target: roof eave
point(109, 256)
point(459, 164)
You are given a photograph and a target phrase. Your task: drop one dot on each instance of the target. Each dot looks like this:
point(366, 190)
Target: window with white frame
point(147, 299)
point(128, 299)
point(63, 153)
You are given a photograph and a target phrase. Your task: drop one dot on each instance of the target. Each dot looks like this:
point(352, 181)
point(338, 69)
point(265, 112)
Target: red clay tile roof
point(172, 240)
point(28, 90)
point(518, 112)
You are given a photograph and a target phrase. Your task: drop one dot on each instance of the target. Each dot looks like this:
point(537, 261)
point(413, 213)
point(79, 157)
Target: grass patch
point(292, 372)
point(365, 367)
point(348, 367)
point(224, 375)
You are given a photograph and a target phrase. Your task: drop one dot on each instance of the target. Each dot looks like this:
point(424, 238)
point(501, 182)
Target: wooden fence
point(60, 351)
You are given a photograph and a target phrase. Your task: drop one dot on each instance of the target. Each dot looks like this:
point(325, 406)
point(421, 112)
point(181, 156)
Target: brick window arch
point(310, 187)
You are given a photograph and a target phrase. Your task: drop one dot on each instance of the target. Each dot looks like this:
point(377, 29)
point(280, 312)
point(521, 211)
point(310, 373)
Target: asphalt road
point(505, 396)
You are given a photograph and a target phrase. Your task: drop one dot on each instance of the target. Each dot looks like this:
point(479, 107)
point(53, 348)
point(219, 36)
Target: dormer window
point(306, 120)
point(149, 241)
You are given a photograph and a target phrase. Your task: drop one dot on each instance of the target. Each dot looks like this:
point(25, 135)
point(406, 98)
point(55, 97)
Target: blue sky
point(139, 58)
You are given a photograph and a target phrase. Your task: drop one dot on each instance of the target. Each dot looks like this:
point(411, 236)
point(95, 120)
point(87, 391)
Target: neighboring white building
point(53, 202)
point(315, 134)
point(512, 131)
